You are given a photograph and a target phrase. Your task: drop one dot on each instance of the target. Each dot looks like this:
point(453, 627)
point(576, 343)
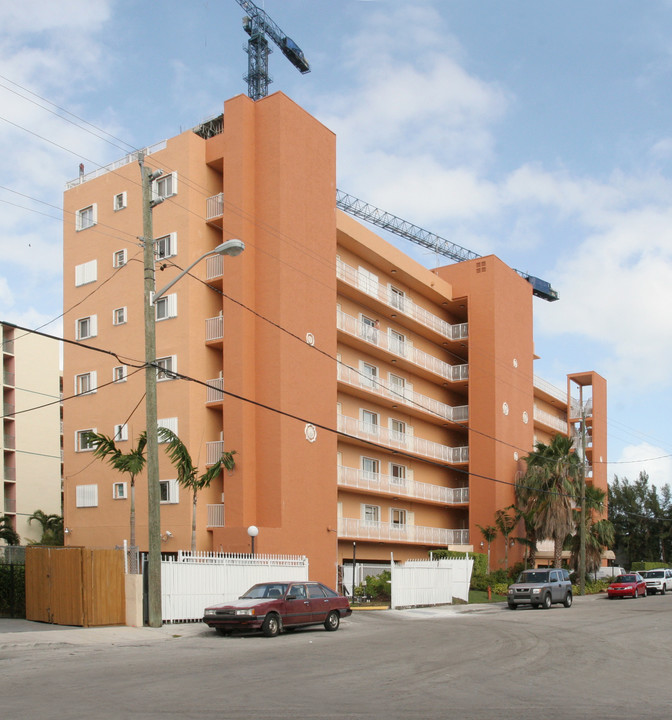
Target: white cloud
point(643, 457)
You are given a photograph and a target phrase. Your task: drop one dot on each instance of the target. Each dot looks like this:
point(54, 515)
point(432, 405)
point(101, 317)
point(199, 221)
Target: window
point(397, 474)
point(82, 442)
point(85, 383)
point(119, 258)
point(370, 468)
point(397, 298)
point(119, 316)
point(119, 491)
point(397, 385)
point(165, 367)
point(86, 327)
point(368, 329)
point(170, 423)
point(371, 514)
point(168, 491)
point(86, 217)
point(86, 273)
point(120, 432)
point(369, 374)
point(397, 430)
point(86, 495)
point(370, 422)
point(165, 186)
point(397, 343)
point(166, 246)
point(166, 307)
point(119, 201)
point(398, 517)
point(367, 281)
point(119, 373)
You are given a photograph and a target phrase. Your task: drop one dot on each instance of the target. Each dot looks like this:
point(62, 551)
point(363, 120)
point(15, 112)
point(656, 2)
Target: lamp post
point(253, 531)
point(230, 247)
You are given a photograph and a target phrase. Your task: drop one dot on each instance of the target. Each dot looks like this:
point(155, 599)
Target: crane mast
point(360, 209)
point(259, 26)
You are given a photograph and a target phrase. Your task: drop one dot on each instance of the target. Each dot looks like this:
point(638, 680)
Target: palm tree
point(489, 533)
point(599, 534)
point(131, 463)
point(506, 523)
point(187, 472)
point(551, 474)
point(526, 499)
point(7, 531)
point(52, 528)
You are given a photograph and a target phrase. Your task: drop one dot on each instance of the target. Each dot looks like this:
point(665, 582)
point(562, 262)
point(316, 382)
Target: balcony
point(214, 267)
point(214, 390)
point(214, 330)
point(213, 452)
point(8, 378)
point(373, 336)
point(214, 209)
point(549, 389)
point(10, 505)
point(550, 421)
point(403, 396)
point(8, 347)
point(357, 479)
point(9, 441)
point(216, 516)
point(400, 303)
point(368, 530)
point(402, 441)
point(9, 473)
point(8, 410)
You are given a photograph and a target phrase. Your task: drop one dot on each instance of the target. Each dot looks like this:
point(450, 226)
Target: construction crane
point(360, 209)
point(258, 25)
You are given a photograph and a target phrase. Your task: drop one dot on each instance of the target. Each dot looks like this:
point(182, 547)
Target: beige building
point(31, 429)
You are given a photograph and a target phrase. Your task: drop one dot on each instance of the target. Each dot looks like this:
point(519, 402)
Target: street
point(598, 659)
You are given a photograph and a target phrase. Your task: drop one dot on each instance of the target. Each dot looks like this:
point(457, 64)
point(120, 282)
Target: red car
point(277, 606)
point(630, 585)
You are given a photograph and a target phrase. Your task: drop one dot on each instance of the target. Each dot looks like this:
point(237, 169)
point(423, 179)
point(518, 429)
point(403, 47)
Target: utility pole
point(582, 529)
point(153, 491)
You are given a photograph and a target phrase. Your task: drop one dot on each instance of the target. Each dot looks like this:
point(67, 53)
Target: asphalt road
point(598, 659)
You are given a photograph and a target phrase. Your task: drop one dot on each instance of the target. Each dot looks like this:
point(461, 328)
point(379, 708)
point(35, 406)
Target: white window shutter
point(410, 517)
point(93, 380)
point(339, 510)
point(172, 305)
point(94, 325)
point(174, 181)
point(409, 430)
point(173, 242)
point(409, 474)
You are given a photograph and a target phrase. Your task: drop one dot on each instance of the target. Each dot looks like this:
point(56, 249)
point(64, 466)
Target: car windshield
point(266, 590)
point(655, 573)
point(625, 579)
point(533, 577)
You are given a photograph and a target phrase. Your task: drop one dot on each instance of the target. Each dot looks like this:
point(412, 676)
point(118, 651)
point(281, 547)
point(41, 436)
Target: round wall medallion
point(311, 433)
point(515, 362)
point(515, 456)
point(505, 408)
point(526, 417)
point(310, 338)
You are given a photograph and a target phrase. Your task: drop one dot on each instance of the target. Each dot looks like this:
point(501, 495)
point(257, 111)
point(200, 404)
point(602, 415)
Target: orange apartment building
point(369, 400)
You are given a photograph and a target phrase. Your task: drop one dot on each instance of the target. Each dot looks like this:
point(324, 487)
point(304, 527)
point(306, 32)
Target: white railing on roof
point(400, 487)
point(550, 389)
point(404, 396)
point(126, 160)
point(401, 441)
point(371, 530)
point(403, 304)
point(374, 336)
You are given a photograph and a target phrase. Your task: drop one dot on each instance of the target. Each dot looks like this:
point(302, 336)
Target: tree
point(550, 479)
point(131, 464)
point(599, 534)
point(489, 533)
point(187, 472)
point(7, 531)
point(52, 528)
point(506, 523)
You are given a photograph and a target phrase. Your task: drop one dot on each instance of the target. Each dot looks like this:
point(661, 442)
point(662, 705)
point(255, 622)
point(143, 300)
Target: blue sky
point(535, 131)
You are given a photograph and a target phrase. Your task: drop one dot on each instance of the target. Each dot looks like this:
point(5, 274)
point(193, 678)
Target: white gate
point(190, 583)
point(430, 582)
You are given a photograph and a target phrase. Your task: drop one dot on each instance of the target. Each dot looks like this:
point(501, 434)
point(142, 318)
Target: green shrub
point(642, 565)
point(378, 587)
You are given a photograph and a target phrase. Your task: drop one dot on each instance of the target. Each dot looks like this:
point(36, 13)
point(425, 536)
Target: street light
point(230, 247)
point(253, 531)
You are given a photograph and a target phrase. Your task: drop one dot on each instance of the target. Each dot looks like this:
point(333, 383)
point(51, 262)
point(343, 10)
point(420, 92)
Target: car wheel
point(546, 602)
point(512, 606)
point(663, 590)
point(271, 626)
point(567, 602)
point(333, 621)
point(636, 594)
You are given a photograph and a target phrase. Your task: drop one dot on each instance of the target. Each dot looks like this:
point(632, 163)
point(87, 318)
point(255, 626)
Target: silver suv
point(541, 588)
point(658, 580)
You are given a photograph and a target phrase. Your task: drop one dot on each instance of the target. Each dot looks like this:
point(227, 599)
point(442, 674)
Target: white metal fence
point(430, 582)
point(190, 583)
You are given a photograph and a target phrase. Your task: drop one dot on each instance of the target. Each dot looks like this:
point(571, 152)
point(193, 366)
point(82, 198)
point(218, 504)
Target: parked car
point(658, 580)
point(540, 588)
point(610, 572)
point(630, 585)
point(277, 606)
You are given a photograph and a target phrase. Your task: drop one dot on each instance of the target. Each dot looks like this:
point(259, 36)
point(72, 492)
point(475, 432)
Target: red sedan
point(630, 585)
point(277, 606)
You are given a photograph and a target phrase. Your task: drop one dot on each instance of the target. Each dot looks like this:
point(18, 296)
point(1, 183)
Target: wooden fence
point(75, 586)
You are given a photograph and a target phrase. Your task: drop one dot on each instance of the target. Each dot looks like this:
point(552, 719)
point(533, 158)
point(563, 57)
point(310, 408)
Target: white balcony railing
point(213, 451)
point(402, 441)
point(367, 530)
point(400, 487)
point(214, 206)
point(401, 303)
point(8, 378)
point(214, 390)
point(374, 336)
point(550, 420)
point(214, 328)
point(214, 267)
point(550, 389)
point(404, 396)
point(216, 516)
